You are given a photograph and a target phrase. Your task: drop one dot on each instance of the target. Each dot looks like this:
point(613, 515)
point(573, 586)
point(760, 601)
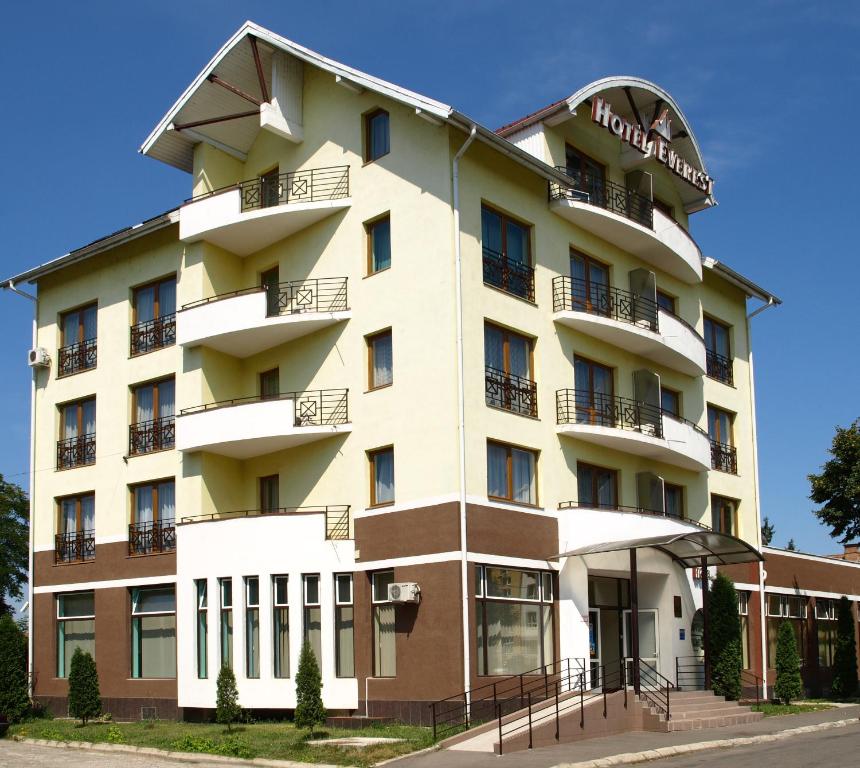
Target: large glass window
point(718, 351)
point(724, 515)
point(511, 473)
point(76, 627)
point(344, 631)
point(153, 406)
point(77, 350)
point(674, 500)
point(381, 476)
point(507, 254)
point(790, 608)
point(270, 384)
point(76, 528)
point(154, 316)
point(508, 364)
point(720, 425)
point(225, 587)
point(269, 493)
point(201, 588)
point(378, 244)
point(514, 619)
point(670, 402)
point(153, 518)
point(376, 135)
point(826, 620)
point(153, 632)
point(77, 445)
point(588, 173)
point(594, 393)
point(384, 636)
point(312, 624)
point(252, 626)
point(597, 487)
point(281, 625)
point(380, 362)
point(743, 612)
point(589, 284)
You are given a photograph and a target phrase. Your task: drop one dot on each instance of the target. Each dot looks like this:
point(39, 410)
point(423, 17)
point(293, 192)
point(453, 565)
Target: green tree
point(310, 711)
point(845, 657)
point(767, 531)
point(227, 707)
point(788, 684)
point(84, 696)
point(14, 696)
point(14, 542)
point(838, 485)
point(724, 638)
point(791, 546)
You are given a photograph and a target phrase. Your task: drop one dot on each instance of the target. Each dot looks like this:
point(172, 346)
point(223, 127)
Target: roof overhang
point(688, 549)
point(751, 289)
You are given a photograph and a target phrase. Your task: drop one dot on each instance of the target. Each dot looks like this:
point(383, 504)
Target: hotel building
point(448, 403)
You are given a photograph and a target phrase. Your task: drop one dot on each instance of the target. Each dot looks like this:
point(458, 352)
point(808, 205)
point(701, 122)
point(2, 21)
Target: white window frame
point(831, 614)
point(275, 603)
point(743, 602)
point(222, 581)
point(337, 600)
point(540, 577)
point(373, 586)
point(76, 616)
point(305, 602)
point(248, 603)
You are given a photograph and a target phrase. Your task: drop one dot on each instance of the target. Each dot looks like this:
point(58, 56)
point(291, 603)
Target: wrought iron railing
point(720, 367)
point(565, 505)
point(310, 186)
point(508, 275)
point(604, 194)
point(151, 537)
point(337, 517)
point(582, 406)
point(324, 294)
point(152, 435)
point(75, 358)
point(153, 334)
point(74, 547)
point(690, 673)
point(724, 458)
point(653, 687)
point(578, 295)
point(320, 407)
point(76, 451)
point(511, 392)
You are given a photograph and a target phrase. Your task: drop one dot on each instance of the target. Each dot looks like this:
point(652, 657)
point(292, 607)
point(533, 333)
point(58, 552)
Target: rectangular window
point(270, 188)
point(594, 393)
point(380, 362)
point(720, 425)
point(664, 207)
point(76, 627)
point(670, 402)
point(589, 285)
point(76, 524)
point(508, 371)
point(153, 421)
point(507, 254)
point(225, 587)
point(269, 493)
point(281, 626)
point(666, 302)
point(270, 282)
point(384, 635)
point(378, 244)
point(514, 620)
point(153, 632)
point(597, 487)
point(511, 473)
point(252, 627)
point(674, 500)
point(77, 350)
point(590, 176)
point(381, 476)
point(344, 632)
point(826, 623)
point(202, 588)
point(718, 351)
point(153, 518)
point(312, 624)
point(724, 515)
point(376, 135)
point(77, 444)
point(153, 316)
point(270, 384)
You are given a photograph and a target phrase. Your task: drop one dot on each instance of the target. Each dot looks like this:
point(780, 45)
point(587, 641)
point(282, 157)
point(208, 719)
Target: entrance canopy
point(688, 549)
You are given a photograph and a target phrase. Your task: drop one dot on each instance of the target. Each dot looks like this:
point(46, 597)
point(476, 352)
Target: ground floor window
point(790, 608)
point(225, 587)
point(76, 627)
point(514, 620)
point(743, 612)
point(384, 643)
point(202, 627)
point(344, 631)
point(252, 627)
point(826, 622)
point(313, 616)
point(153, 632)
point(281, 625)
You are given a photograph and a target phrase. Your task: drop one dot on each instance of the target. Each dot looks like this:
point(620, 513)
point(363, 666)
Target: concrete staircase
point(697, 710)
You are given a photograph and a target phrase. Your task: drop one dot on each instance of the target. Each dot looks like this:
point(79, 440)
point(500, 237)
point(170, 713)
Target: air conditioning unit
point(38, 358)
point(404, 592)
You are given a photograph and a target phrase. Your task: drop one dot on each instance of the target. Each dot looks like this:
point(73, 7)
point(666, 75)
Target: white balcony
point(254, 214)
point(242, 429)
point(244, 323)
point(638, 229)
point(630, 427)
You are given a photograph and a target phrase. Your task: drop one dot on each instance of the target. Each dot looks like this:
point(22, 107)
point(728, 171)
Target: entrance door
point(648, 633)
point(594, 647)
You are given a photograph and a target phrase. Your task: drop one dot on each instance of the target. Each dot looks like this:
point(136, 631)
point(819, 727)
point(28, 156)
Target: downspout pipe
point(32, 494)
point(461, 403)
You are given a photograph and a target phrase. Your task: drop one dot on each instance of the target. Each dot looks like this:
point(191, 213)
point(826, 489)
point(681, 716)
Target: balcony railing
point(720, 367)
point(724, 458)
point(311, 186)
point(337, 517)
point(74, 547)
point(636, 510)
point(76, 451)
point(510, 392)
point(324, 294)
point(151, 537)
point(605, 194)
point(315, 408)
point(75, 358)
point(152, 435)
point(578, 295)
point(582, 406)
point(153, 334)
point(510, 276)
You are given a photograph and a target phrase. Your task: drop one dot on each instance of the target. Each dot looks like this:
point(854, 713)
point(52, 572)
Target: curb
point(180, 757)
point(704, 746)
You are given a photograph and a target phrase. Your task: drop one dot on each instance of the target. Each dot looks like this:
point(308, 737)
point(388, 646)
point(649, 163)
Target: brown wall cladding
point(409, 533)
point(511, 533)
point(817, 575)
point(112, 561)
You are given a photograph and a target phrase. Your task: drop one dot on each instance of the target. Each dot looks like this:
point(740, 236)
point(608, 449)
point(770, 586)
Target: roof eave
point(751, 289)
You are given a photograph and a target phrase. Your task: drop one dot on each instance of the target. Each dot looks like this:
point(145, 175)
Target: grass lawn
point(771, 710)
point(272, 740)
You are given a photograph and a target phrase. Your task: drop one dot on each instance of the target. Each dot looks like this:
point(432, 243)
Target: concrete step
point(700, 706)
point(694, 697)
point(701, 723)
point(709, 713)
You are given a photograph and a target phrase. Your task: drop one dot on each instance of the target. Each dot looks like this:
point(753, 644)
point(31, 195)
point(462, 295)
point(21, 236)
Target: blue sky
point(771, 90)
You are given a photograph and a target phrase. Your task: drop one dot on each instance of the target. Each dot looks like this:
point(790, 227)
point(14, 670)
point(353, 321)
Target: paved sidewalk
point(593, 749)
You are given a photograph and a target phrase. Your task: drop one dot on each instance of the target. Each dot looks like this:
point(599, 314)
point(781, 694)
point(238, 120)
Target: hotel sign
point(652, 143)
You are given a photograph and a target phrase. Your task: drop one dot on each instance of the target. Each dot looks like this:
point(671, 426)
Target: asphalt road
point(15, 754)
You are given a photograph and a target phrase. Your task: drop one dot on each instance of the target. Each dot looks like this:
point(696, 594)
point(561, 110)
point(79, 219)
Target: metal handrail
point(152, 435)
point(510, 276)
point(719, 367)
point(151, 537)
point(74, 358)
point(76, 451)
point(757, 681)
point(74, 546)
point(653, 690)
point(317, 294)
point(690, 672)
point(153, 334)
point(578, 295)
point(564, 505)
point(337, 517)
point(510, 392)
point(312, 408)
point(602, 193)
point(724, 457)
